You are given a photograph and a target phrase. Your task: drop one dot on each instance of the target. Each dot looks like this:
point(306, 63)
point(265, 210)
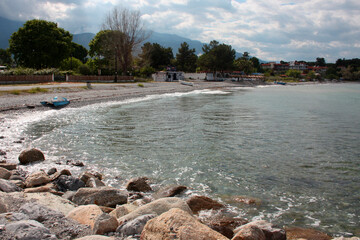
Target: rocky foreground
point(57, 205)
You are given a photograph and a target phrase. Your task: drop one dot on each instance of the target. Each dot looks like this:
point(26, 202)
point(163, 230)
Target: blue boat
point(56, 102)
point(281, 83)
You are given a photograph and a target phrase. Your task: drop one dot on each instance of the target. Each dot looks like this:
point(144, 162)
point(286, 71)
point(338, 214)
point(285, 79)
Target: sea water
point(295, 148)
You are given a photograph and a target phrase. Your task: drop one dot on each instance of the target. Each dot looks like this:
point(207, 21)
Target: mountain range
point(8, 27)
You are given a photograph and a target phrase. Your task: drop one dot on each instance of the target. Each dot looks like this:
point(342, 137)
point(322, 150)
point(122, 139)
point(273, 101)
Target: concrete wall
point(95, 78)
point(195, 76)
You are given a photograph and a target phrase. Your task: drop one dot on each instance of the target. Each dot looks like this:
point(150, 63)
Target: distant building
point(295, 65)
point(277, 67)
point(168, 76)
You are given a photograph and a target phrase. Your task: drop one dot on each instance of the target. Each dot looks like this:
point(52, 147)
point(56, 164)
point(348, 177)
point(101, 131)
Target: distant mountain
point(83, 39)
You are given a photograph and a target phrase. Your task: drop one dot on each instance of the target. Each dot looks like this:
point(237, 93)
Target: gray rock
point(65, 183)
point(4, 173)
point(138, 184)
point(52, 171)
point(103, 196)
point(38, 212)
point(105, 224)
point(3, 208)
point(8, 186)
point(6, 218)
point(134, 227)
point(30, 156)
point(28, 230)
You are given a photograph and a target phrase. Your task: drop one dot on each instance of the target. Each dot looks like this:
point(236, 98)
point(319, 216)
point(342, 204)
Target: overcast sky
point(268, 29)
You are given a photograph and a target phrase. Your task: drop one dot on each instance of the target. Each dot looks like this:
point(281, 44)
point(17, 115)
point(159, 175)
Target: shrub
point(84, 69)
point(140, 85)
point(70, 63)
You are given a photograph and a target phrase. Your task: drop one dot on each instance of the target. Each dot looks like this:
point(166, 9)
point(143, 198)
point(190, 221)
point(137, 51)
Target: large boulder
point(38, 212)
point(178, 224)
point(37, 179)
point(270, 230)
point(199, 203)
point(9, 217)
point(138, 184)
point(85, 214)
point(306, 233)
point(157, 207)
point(250, 232)
point(103, 196)
point(8, 186)
point(123, 210)
point(169, 191)
point(4, 173)
point(68, 183)
point(31, 155)
point(105, 223)
point(28, 230)
point(135, 226)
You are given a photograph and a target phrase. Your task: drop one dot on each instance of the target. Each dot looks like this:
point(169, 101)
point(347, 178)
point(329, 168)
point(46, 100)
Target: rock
point(87, 175)
point(28, 230)
point(306, 233)
point(270, 230)
point(138, 184)
point(9, 217)
point(52, 171)
point(3, 208)
point(85, 214)
point(170, 191)
point(94, 183)
point(69, 195)
point(38, 212)
point(105, 224)
point(50, 187)
point(2, 153)
point(178, 224)
point(65, 183)
point(17, 177)
point(122, 210)
point(95, 237)
point(243, 199)
point(37, 179)
point(250, 233)
point(135, 226)
point(8, 166)
point(4, 173)
point(157, 207)
point(19, 183)
point(75, 163)
point(106, 209)
point(61, 173)
point(198, 203)
point(30, 156)
point(8, 186)
point(103, 196)
point(343, 238)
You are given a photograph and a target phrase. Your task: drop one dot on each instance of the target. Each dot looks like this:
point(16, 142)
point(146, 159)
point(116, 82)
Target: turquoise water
point(296, 148)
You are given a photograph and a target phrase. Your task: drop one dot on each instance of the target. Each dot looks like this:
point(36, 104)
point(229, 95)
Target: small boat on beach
point(186, 83)
point(281, 83)
point(56, 102)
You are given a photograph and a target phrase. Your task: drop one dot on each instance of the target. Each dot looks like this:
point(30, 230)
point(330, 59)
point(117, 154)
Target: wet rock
point(8, 166)
point(27, 230)
point(170, 191)
point(105, 224)
point(37, 179)
point(123, 210)
point(156, 207)
point(178, 224)
point(138, 184)
point(270, 230)
point(52, 171)
point(250, 233)
point(38, 212)
point(8, 186)
point(94, 183)
point(103, 196)
point(243, 199)
point(65, 183)
point(306, 233)
point(75, 163)
point(85, 214)
point(198, 203)
point(30, 156)
point(4, 173)
point(87, 175)
point(135, 226)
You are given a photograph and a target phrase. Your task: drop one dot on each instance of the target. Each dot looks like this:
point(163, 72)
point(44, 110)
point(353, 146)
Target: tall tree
point(131, 33)
point(186, 58)
point(40, 44)
point(79, 52)
point(156, 56)
point(217, 57)
point(5, 57)
point(320, 62)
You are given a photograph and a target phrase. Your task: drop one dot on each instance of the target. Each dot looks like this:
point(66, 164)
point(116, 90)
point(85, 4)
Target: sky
point(271, 30)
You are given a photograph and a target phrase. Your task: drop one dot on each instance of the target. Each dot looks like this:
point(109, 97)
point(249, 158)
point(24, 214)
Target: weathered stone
point(95, 237)
point(135, 226)
point(94, 183)
point(157, 207)
point(4, 173)
point(28, 230)
point(85, 214)
point(30, 156)
point(306, 233)
point(17, 177)
point(19, 183)
point(38, 212)
point(52, 171)
point(138, 184)
point(75, 163)
point(250, 233)
point(3, 208)
point(87, 175)
point(270, 230)
point(198, 203)
point(103, 196)
point(50, 187)
point(65, 183)
point(178, 224)
point(122, 210)
point(61, 173)
point(9, 217)
point(37, 179)
point(105, 223)
point(243, 199)
point(106, 209)
point(8, 166)
point(8, 186)
point(170, 191)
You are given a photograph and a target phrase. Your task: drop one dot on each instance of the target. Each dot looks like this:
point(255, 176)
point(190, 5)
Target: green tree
point(186, 58)
point(78, 51)
point(40, 44)
point(217, 57)
point(242, 64)
point(70, 63)
point(320, 62)
point(102, 49)
point(155, 56)
point(293, 73)
point(5, 57)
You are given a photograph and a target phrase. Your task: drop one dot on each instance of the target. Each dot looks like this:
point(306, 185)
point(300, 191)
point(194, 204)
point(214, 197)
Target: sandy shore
point(79, 95)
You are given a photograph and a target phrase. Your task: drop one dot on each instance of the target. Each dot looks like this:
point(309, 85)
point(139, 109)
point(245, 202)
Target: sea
point(294, 149)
